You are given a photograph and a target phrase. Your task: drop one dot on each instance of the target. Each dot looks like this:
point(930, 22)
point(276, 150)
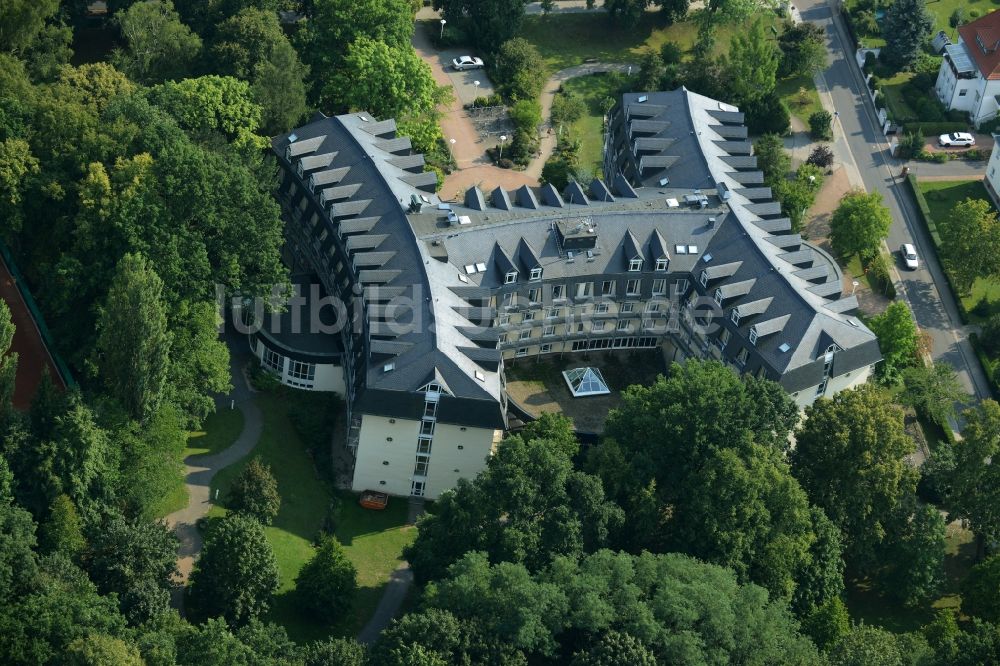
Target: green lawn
point(800, 97)
point(373, 540)
point(941, 196)
point(892, 88)
point(173, 500)
point(594, 90)
point(218, 432)
point(941, 10)
point(565, 40)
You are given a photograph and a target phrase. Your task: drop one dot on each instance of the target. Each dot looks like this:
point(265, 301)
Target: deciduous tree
point(905, 28)
point(981, 590)
point(22, 20)
point(489, 23)
point(519, 71)
point(897, 339)
point(63, 531)
point(975, 493)
point(803, 50)
point(970, 240)
point(933, 390)
point(255, 492)
point(328, 582)
point(859, 224)
point(751, 66)
point(158, 47)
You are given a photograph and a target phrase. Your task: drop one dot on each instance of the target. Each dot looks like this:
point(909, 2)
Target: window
point(718, 296)
point(963, 92)
point(521, 351)
point(528, 316)
point(724, 338)
point(423, 446)
point(503, 320)
point(597, 326)
point(681, 287)
point(623, 325)
point(536, 274)
point(549, 330)
point(661, 265)
point(608, 288)
point(545, 349)
point(647, 324)
point(533, 295)
point(552, 313)
point(635, 265)
point(508, 300)
point(503, 339)
point(510, 278)
point(558, 292)
point(601, 308)
point(632, 288)
point(659, 287)
point(741, 358)
point(652, 307)
point(735, 316)
point(704, 278)
point(427, 428)
point(303, 371)
point(627, 308)
point(420, 468)
point(753, 336)
point(525, 334)
point(274, 360)
point(584, 289)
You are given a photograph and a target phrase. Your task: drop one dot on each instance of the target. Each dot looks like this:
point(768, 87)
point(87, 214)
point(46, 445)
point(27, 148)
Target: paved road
point(199, 470)
point(925, 289)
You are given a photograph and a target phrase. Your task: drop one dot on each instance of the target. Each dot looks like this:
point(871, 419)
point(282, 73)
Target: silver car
point(466, 62)
point(957, 139)
point(909, 255)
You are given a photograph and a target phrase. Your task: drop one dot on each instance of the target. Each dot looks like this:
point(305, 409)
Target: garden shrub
point(958, 17)
point(820, 126)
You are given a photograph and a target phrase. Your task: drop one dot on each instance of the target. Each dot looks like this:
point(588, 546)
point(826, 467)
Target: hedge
point(934, 129)
point(986, 362)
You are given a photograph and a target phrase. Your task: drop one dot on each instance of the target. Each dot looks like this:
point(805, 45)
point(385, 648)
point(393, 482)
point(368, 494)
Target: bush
point(821, 156)
point(935, 128)
point(523, 147)
point(768, 116)
point(878, 275)
point(911, 145)
point(958, 17)
point(526, 115)
point(518, 70)
point(486, 100)
point(567, 108)
point(505, 163)
point(870, 62)
point(328, 582)
point(820, 126)
point(974, 13)
point(255, 493)
point(989, 338)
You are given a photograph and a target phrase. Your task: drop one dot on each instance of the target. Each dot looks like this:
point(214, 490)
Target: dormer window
point(298, 168)
point(718, 296)
point(536, 274)
point(735, 317)
point(753, 336)
point(661, 264)
point(511, 277)
point(635, 265)
point(704, 278)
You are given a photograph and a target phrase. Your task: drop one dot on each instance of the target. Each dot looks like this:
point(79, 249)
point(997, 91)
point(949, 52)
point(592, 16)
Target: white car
point(909, 255)
point(467, 62)
point(960, 139)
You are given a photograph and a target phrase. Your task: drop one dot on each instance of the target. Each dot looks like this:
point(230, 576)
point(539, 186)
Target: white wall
point(328, 377)
point(449, 463)
point(849, 380)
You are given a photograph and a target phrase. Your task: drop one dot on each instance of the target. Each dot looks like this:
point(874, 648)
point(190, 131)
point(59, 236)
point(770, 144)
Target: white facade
point(300, 374)
point(404, 457)
point(992, 180)
point(970, 92)
point(832, 386)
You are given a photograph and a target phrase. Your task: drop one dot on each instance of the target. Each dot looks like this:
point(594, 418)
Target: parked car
point(467, 62)
point(960, 139)
point(909, 255)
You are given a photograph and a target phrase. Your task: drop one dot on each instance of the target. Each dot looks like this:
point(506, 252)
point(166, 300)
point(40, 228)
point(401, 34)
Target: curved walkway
point(200, 469)
point(548, 143)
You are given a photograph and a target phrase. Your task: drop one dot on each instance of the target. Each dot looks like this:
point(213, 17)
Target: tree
point(615, 649)
point(236, 573)
point(199, 361)
point(22, 20)
point(822, 581)
point(975, 493)
point(803, 50)
point(768, 115)
point(245, 40)
point(334, 652)
point(158, 47)
point(970, 238)
point(133, 340)
point(850, 459)
point(859, 224)
point(210, 104)
point(255, 492)
point(17, 167)
point(279, 88)
point(820, 126)
point(914, 556)
point(905, 28)
point(102, 650)
point(981, 590)
point(137, 560)
point(567, 108)
point(867, 646)
point(519, 71)
point(897, 339)
point(62, 531)
point(626, 13)
point(731, 11)
point(528, 505)
point(827, 624)
point(751, 66)
point(821, 156)
point(489, 23)
point(933, 390)
point(18, 569)
point(8, 360)
point(772, 159)
point(328, 582)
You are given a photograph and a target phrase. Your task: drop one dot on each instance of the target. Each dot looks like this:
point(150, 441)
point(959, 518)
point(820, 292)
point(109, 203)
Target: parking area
point(984, 142)
point(464, 82)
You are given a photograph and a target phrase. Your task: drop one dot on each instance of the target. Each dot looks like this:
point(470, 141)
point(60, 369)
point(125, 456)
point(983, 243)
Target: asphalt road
point(925, 289)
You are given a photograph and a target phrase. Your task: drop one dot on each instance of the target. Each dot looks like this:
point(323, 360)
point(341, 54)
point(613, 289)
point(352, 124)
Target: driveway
point(462, 82)
point(925, 289)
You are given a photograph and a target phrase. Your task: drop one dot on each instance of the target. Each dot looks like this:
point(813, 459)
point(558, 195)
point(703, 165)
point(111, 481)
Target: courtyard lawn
point(942, 10)
point(892, 88)
point(800, 97)
point(565, 40)
point(373, 540)
point(218, 432)
point(941, 197)
point(589, 130)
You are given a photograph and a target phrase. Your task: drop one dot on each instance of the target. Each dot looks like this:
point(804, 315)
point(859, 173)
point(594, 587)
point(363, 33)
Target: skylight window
point(707, 258)
point(692, 249)
point(462, 278)
point(388, 367)
point(680, 249)
point(481, 267)
point(470, 269)
point(784, 347)
point(480, 376)
point(292, 137)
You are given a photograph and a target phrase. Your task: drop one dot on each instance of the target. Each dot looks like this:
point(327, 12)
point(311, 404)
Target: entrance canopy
point(585, 381)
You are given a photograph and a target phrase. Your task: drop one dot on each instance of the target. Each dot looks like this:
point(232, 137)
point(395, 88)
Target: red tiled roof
point(982, 41)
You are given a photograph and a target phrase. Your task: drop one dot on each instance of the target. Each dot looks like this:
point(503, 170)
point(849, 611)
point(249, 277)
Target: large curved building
point(679, 247)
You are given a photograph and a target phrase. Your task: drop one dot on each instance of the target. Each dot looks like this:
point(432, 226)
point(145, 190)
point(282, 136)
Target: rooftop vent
point(711, 223)
point(783, 347)
point(673, 203)
point(569, 257)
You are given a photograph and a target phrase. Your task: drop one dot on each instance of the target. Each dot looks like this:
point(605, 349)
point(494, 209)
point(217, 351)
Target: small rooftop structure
point(585, 381)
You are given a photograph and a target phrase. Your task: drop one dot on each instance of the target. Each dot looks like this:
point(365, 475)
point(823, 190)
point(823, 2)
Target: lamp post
point(475, 83)
point(854, 287)
point(503, 137)
point(443, 21)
